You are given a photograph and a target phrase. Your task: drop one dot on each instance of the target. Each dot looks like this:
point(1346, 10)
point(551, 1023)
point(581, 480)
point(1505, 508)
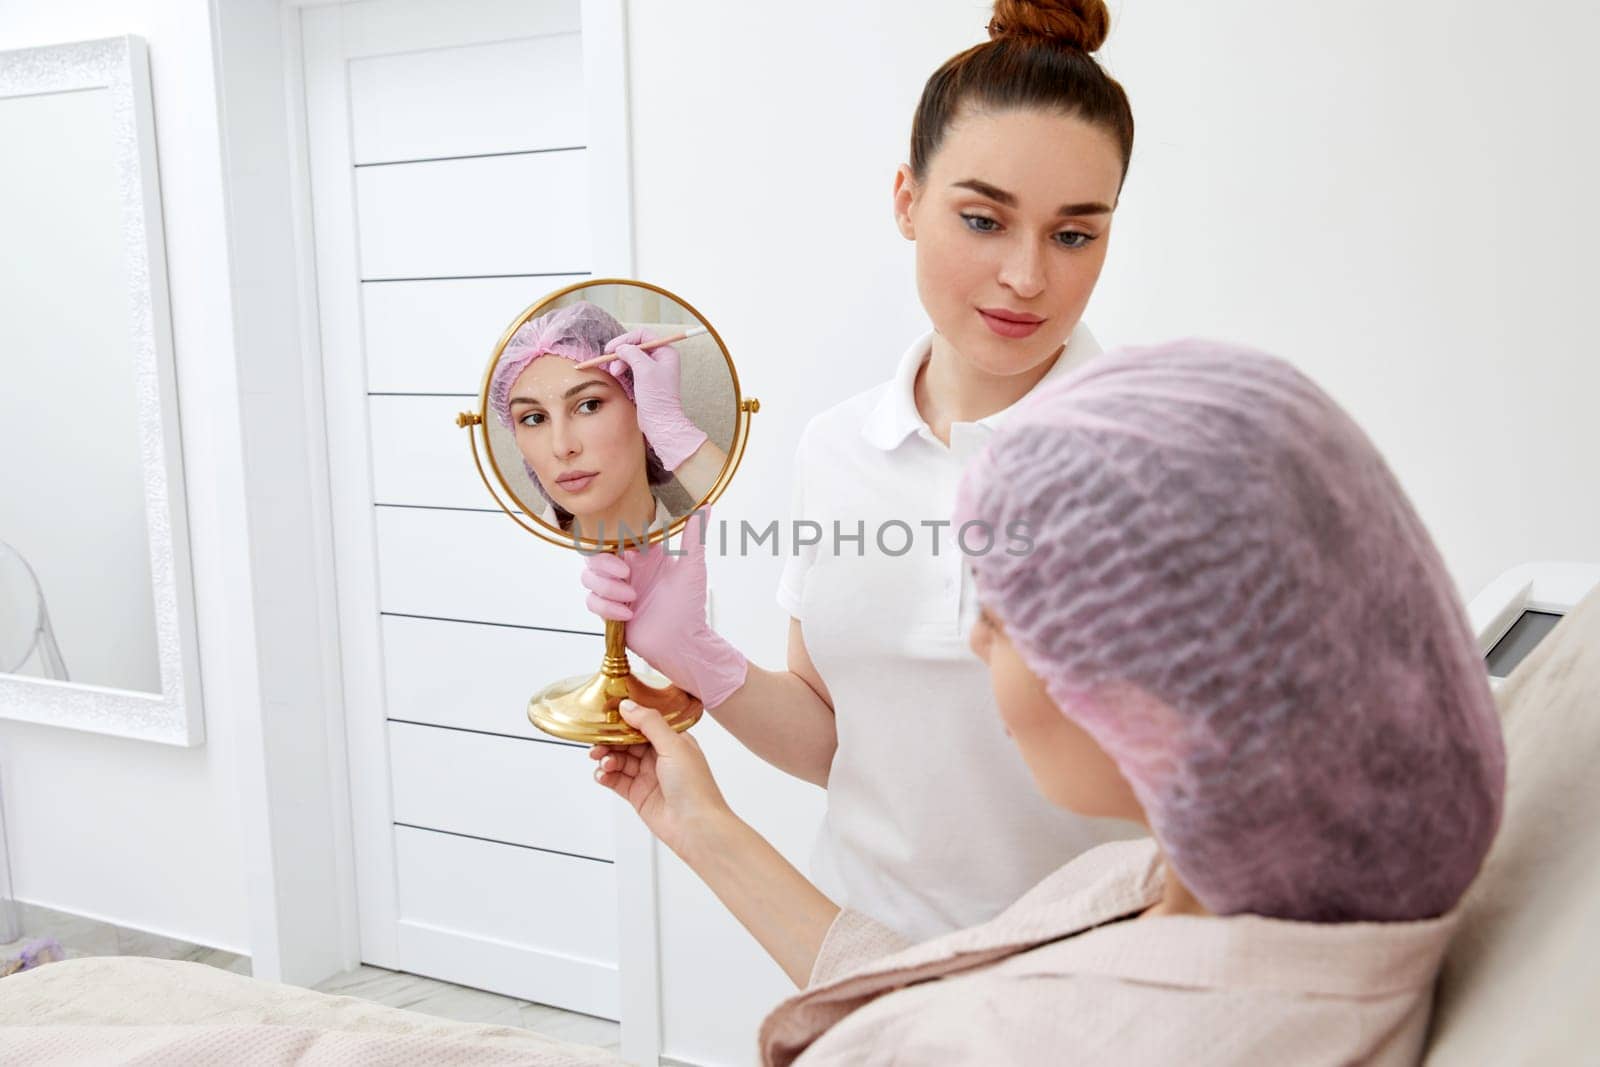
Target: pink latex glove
point(662, 599)
point(656, 390)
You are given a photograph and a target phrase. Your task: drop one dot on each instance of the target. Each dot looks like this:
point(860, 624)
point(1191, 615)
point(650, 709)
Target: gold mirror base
point(585, 708)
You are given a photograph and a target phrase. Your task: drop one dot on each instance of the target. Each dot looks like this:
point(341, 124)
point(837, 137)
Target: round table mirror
point(609, 414)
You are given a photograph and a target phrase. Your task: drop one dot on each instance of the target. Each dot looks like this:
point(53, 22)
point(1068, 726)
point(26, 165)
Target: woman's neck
point(630, 516)
point(1175, 896)
point(951, 389)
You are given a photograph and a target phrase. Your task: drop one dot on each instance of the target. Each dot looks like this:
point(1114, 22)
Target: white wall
point(141, 834)
point(1398, 197)
point(294, 787)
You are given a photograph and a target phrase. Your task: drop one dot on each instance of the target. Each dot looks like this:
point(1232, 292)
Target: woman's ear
point(905, 196)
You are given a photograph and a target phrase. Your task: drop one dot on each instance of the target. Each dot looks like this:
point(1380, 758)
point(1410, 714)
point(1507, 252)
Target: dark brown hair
point(1037, 56)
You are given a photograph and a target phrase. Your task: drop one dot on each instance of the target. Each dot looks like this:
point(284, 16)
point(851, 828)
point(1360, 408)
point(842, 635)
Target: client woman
point(1233, 628)
point(596, 442)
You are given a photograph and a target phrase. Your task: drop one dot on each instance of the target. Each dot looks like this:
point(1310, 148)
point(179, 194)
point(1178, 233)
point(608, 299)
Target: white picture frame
point(1552, 588)
point(172, 716)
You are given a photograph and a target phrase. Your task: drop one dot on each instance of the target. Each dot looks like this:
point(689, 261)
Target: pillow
point(1521, 981)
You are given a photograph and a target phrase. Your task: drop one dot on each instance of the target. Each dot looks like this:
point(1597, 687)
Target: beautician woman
point(1019, 147)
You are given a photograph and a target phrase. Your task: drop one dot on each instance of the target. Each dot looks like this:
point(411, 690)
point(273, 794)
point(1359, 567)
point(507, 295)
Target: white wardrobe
point(453, 183)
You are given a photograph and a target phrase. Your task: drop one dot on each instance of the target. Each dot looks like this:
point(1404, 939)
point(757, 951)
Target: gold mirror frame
point(586, 709)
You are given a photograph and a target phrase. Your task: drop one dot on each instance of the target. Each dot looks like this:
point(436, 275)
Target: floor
point(88, 937)
point(448, 1001)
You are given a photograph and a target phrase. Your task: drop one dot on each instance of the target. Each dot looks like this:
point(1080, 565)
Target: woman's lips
point(577, 481)
point(1010, 324)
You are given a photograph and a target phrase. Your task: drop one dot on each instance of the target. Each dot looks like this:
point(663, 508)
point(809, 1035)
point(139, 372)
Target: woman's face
point(1069, 768)
point(580, 433)
point(1011, 224)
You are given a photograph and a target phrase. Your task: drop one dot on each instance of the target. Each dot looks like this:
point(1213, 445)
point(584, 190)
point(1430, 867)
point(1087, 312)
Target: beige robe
point(1057, 979)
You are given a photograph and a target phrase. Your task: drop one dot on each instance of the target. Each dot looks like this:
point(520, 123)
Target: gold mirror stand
point(585, 709)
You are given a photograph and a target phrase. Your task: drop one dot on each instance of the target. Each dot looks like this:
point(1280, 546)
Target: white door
point(455, 181)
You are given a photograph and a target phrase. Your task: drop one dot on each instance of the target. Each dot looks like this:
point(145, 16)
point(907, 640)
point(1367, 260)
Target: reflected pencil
point(647, 346)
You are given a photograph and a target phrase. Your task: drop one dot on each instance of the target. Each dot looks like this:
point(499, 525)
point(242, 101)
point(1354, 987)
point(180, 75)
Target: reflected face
point(1011, 224)
point(580, 434)
point(1068, 766)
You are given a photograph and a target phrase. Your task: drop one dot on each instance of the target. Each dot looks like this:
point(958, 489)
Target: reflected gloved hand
point(661, 597)
point(656, 390)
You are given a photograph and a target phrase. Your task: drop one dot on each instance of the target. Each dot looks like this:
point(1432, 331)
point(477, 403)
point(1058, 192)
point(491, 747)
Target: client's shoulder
point(1112, 875)
point(1109, 882)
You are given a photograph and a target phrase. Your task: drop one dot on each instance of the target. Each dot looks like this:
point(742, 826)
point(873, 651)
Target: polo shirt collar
point(895, 417)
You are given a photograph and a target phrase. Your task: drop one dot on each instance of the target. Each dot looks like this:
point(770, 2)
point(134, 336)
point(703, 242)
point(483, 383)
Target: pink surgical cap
point(1230, 593)
point(577, 332)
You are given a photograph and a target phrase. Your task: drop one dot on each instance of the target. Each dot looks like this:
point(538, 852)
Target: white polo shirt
point(933, 822)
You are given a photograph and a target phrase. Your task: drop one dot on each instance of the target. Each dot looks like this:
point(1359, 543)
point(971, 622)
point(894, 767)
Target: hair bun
point(1080, 24)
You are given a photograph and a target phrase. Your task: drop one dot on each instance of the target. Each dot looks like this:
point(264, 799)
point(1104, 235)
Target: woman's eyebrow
point(993, 192)
point(580, 387)
point(574, 391)
point(1000, 196)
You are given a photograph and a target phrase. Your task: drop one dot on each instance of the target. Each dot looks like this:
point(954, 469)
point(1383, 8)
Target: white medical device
point(1518, 609)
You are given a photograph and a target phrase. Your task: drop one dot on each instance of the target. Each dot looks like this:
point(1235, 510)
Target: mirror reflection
point(611, 411)
point(76, 599)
